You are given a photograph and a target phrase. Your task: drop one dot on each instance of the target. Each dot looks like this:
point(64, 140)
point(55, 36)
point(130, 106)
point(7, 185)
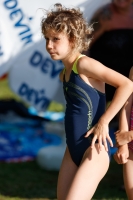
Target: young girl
point(87, 155)
point(124, 140)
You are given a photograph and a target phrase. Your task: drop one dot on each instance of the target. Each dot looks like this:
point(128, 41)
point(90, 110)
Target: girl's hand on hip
point(100, 132)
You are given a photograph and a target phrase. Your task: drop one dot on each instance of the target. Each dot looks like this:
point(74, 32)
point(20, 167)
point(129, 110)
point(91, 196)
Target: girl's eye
point(55, 39)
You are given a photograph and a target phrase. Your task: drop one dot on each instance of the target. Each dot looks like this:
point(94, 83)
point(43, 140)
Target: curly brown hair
point(71, 22)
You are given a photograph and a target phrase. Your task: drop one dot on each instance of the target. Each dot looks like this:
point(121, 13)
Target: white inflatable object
point(24, 26)
point(34, 76)
point(50, 158)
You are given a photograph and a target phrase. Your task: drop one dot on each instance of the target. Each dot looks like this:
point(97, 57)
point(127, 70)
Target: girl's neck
point(68, 62)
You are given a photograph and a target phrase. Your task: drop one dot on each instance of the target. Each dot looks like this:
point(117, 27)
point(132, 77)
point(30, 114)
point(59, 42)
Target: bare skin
point(122, 154)
point(123, 137)
point(75, 183)
point(79, 179)
point(128, 176)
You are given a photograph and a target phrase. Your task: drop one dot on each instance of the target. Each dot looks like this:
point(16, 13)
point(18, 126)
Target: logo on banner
point(37, 77)
point(17, 16)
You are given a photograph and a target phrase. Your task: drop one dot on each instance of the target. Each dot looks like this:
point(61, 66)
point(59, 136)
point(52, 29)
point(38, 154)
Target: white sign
point(34, 76)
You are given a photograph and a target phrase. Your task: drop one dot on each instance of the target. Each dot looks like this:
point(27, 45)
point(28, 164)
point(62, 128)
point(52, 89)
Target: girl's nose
point(49, 44)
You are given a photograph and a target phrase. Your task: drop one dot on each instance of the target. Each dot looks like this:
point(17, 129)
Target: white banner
point(34, 76)
point(16, 32)
point(20, 26)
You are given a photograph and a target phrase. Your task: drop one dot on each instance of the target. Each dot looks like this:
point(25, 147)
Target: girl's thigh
point(92, 169)
point(66, 175)
point(128, 176)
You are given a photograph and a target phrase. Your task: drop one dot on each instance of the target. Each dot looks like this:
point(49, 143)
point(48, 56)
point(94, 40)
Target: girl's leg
point(128, 176)
point(92, 169)
point(66, 175)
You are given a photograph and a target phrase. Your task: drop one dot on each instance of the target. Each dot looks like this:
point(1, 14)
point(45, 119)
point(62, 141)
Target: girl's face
point(58, 45)
point(122, 3)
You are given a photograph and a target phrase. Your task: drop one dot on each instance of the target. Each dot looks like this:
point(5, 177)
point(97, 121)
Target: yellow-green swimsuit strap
point(74, 68)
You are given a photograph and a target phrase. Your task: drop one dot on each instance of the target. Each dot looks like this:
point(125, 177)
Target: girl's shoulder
point(83, 62)
point(87, 65)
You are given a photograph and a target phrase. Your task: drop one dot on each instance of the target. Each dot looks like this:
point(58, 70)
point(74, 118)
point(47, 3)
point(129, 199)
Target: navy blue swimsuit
point(84, 107)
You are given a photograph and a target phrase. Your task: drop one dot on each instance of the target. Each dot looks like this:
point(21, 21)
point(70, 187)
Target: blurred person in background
point(112, 42)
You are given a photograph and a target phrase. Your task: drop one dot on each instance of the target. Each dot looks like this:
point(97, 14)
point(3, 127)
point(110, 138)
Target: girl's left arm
point(124, 88)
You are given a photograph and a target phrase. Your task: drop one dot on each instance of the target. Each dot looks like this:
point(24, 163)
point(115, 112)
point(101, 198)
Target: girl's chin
point(55, 57)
